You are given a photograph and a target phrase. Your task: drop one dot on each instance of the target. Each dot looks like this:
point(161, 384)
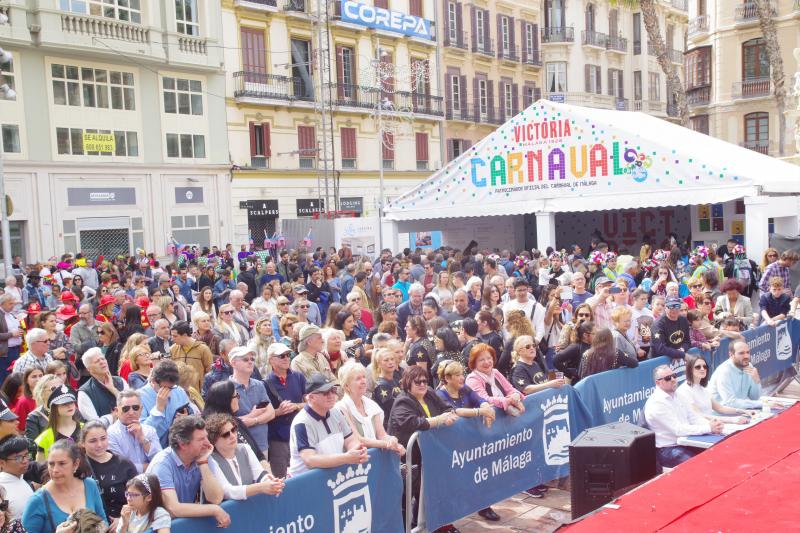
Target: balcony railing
point(270, 87)
point(748, 12)
point(423, 104)
point(192, 45)
point(298, 6)
point(594, 38)
point(471, 113)
point(459, 42)
point(509, 54)
point(617, 44)
point(346, 95)
point(752, 88)
point(532, 57)
point(672, 110)
point(762, 147)
point(651, 50)
point(556, 34)
point(676, 56)
point(104, 27)
point(486, 47)
point(699, 25)
point(601, 101)
point(270, 3)
point(648, 106)
point(681, 5)
point(698, 96)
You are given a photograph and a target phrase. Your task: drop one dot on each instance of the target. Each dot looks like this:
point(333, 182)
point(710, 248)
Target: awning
point(562, 158)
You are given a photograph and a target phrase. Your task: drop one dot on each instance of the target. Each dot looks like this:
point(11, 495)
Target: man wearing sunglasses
point(320, 436)
point(38, 354)
point(670, 418)
point(128, 437)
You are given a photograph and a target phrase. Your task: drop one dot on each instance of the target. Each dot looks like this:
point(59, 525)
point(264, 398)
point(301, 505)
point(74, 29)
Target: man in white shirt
point(14, 461)
point(670, 418)
point(532, 309)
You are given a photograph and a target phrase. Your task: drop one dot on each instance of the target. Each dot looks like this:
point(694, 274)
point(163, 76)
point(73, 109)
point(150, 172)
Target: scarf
point(492, 387)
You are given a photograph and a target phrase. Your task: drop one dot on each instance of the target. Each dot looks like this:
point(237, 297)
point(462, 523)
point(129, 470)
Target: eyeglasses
point(303, 306)
point(126, 408)
point(772, 255)
point(132, 495)
point(699, 367)
point(283, 355)
point(228, 433)
point(19, 458)
point(696, 286)
point(46, 341)
point(528, 346)
point(420, 382)
point(284, 303)
point(226, 312)
point(667, 378)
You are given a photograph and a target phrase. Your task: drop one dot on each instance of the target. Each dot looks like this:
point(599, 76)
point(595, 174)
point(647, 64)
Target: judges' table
point(740, 484)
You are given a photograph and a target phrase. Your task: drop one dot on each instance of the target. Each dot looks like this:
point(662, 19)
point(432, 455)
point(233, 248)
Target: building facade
point(109, 145)
point(596, 54)
point(729, 86)
point(491, 66)
point(302, 107)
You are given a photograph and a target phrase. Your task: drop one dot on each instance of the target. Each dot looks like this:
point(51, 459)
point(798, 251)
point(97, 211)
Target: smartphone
point(262, 405)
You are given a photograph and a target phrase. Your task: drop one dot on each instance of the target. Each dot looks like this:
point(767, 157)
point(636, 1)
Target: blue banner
point(772, 349)
point(383, 19)
point(338, 500)
point(476, 466)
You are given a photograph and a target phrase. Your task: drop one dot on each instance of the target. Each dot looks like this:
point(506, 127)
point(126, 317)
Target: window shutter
point(499, 35)
point(450, 149)
point(586, 85)
point(535, 36)
point(348, 136)
point(487, 30)
point(537, 94)
point(465, 145)
point(422, 146)
point(415, 7)
point(490, 98)
point(621, 91)
point(266, 140)
point(388, 145)
point(339, 72)
point(515, 98)
point(306, 140)
point(512, 35)
point(253, 147)
point(610, 81)
point(523, 31)
point(463, 95)
point(253, 51)
point(459, 23)
point(527, 93)
point(501, 97)
point(382, 3)
point(474, 27)
point(598, 79)
point(476, 97)
point(446, 22)
point(448, 102)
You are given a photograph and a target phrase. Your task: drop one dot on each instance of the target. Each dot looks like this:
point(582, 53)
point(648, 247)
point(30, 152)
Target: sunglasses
point(226, 312)
point(696, 286)
point(699, 367)
point(228, 433)
point(772, 255)
point(528, 346)
point(302, 306)
point(667, 378)
point(281, 356)
point(420, 382)
point(126, 408)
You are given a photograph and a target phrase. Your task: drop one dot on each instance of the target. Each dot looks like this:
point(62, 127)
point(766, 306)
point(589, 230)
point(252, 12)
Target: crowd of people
point(131, 388)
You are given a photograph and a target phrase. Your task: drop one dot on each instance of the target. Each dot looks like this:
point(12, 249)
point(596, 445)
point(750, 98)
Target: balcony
point(594, 38)
point(617, 44)
point(649, 106)
point(752, 88)
point(261, 86)
point(601, 101)
point(192, 45)
point(106, 28)
point(557, 34)
point(533, 58)
point(259, 5)
point(508, 54)
point(699, 25)
point(398, 102)
point(676, 56)
point(460, 40)
point(485, 48)
point(422, 104)
point(672, 110)
point(748, 12)
point(680, 5)
point(698, 96)
point(762, 147)
point(464, 113)
point(651, 50)
point(295, 6)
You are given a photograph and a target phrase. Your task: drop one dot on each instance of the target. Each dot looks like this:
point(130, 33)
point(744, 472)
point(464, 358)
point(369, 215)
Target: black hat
point(61, 396)
point(6, 414)
point(319, 383)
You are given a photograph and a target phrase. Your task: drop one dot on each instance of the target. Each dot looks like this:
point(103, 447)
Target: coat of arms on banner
point(352, 508)
point(555, 430)
point(783, 343)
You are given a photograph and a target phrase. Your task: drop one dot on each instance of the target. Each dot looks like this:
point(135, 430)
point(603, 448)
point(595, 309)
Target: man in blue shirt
point(185, 285)
point(162, 399)
point(286, 390)
point(255, 411)
point(736, 382)
point(222, 288)
point(269, 274)
point(128, 437)
point(183, 472)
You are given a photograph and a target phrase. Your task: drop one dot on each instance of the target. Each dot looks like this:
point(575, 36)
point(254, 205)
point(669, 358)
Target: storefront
point(556, 173)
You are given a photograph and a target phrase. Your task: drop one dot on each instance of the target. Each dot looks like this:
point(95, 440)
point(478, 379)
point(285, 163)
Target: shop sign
point(261, 208)
point(188, 195)
point(99, 142)
point(85, 196)
point(384, 19)
point(355, 204)
point(306, 207)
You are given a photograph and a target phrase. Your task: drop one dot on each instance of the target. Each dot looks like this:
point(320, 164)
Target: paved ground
point(521, 513)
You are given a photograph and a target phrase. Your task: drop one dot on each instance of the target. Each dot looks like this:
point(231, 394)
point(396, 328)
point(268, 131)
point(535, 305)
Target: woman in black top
point(488, 333)
point(568, 360)
point(111, 471)
point(133, 323)
point(528, 375)
point(223, 398)
point(420, 351)
point(387, 386)
point(603, 355)
point(448, 348)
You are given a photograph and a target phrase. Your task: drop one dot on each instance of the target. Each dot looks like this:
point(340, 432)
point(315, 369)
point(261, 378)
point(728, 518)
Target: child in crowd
point(696, 335)
point(145, 509)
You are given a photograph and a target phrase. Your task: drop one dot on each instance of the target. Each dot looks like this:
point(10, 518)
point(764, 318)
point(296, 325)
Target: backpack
point(743, 272)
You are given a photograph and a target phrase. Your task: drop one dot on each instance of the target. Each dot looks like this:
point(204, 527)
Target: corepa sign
point(383, 19)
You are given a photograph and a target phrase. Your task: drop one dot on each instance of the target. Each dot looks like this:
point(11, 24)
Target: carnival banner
point(476, 466)
point(772, 349)
point(338, 500)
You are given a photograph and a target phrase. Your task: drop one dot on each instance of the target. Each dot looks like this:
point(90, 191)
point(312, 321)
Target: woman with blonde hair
point(621, 318)
point(770, 256)
point(228, 328)
point(262, 338)
point(187, 378)
point(167, 309)
point(37, 420)
point(517, 324)
point(529, 374)
point(134, 340)
point(139, 359)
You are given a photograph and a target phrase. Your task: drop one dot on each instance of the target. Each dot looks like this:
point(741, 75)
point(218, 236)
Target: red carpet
point(745, 483)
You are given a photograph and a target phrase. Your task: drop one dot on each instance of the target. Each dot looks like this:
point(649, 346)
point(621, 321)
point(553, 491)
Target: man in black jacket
point(248, 277)
point(671, 332)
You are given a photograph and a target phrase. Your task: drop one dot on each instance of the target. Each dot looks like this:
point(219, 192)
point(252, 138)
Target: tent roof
point(555, 157)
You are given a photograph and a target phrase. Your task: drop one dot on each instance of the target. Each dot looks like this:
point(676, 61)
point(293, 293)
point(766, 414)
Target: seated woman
point(222, 398)
point(364, 415)
point(145, 508)
point(603, 355)
point(731, 303)
point(693, 392)
point(242, 474)
point(489, 383)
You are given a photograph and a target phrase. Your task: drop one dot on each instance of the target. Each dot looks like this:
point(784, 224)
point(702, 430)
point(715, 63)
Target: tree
point(654, 40)
point(765, 11)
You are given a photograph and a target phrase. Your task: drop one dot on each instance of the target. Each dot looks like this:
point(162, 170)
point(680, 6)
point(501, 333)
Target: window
point(483, 97)
point(455, 93)
point(421, 140)
point(186, 17)
point(530, 41)
point(555, 16)
point(505, 34)
point(699, 123)
point(185, 146)
point(756, 128)
point(347, 66)
point(669, 37)
point(259, 145)
point(698, 67)
point(592, 80)
point(10, 136)
point(480, 28)
point(307, 146)
point(590, 19)
point(127, 10)
point(528, 95)
point(755, 63)
point(420, 84)
point(452, 22)
point(654, 86)
point(615, 86)
point(637, 34)
point(415, 8)
point(388, 150)
point(7, 73)
point(456, 147)
point(613, 23)
point(184, 97)
point(91, 87)
point(508, 100)
point(349, 148)
point(637, 84)
point(556, 77)
point(69, 141)
point(303, 85)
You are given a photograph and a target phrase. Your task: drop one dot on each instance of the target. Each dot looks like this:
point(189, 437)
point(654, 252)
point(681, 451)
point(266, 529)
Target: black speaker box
point(605, 459)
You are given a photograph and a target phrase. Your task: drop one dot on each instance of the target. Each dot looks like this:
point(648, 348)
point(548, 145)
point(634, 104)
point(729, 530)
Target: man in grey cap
point(601, 308)
point(312, 313)
point(311, 359)
point(671, 332)
point(320, 436)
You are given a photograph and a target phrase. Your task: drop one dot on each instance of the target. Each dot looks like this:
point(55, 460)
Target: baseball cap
point(300, 289)
point(6, 414)
point(601, 280)
point(307, 331)
point(319, 383)
point(239, 351)
point(277, 348)
point(673, 303)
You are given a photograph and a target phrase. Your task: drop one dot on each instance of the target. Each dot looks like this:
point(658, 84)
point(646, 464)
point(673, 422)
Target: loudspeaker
point(605, 459)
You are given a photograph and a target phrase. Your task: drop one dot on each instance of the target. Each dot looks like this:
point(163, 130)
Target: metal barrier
point(409, 496)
